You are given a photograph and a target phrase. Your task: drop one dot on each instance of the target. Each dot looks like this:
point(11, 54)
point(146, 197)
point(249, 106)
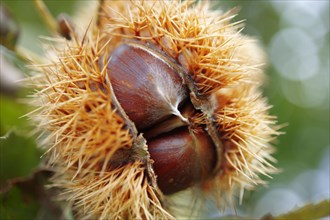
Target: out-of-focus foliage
point(19, 156)
point(295, 36)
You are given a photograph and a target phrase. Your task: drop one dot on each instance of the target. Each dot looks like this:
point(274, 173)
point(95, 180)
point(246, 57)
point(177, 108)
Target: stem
point(47, 16)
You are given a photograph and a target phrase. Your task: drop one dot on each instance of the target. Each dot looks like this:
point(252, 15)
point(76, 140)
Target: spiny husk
point(82, 131)
point(122, 193)
point(225, 66)
point(203, 41)
point(82, 128)
point(246, 132)
point(73, 97)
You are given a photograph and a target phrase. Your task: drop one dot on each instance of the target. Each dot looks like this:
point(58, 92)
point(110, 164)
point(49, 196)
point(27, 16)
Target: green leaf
point(309, 211)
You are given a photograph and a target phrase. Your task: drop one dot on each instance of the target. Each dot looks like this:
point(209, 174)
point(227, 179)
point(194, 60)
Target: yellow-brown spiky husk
point(82, 130)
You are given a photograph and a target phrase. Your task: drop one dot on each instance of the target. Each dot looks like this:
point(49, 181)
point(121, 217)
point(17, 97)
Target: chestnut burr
point(152, 94)
point(142, 99)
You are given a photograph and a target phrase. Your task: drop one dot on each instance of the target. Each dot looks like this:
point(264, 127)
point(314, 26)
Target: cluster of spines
point(122, 193)
point(247, 132)
point(201, 40)
point(82, 131)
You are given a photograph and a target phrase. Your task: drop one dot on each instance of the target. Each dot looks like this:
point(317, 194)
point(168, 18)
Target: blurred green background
point(295, 36)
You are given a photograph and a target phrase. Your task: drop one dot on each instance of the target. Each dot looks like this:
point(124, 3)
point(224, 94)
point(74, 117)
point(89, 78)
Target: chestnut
point(148, 89)
point(155, 98)
point(182, 158)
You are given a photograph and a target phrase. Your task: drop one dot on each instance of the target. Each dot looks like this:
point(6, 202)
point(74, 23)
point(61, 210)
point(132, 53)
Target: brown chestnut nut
point(182, 158)
point(154, 97)
point(148, 89)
